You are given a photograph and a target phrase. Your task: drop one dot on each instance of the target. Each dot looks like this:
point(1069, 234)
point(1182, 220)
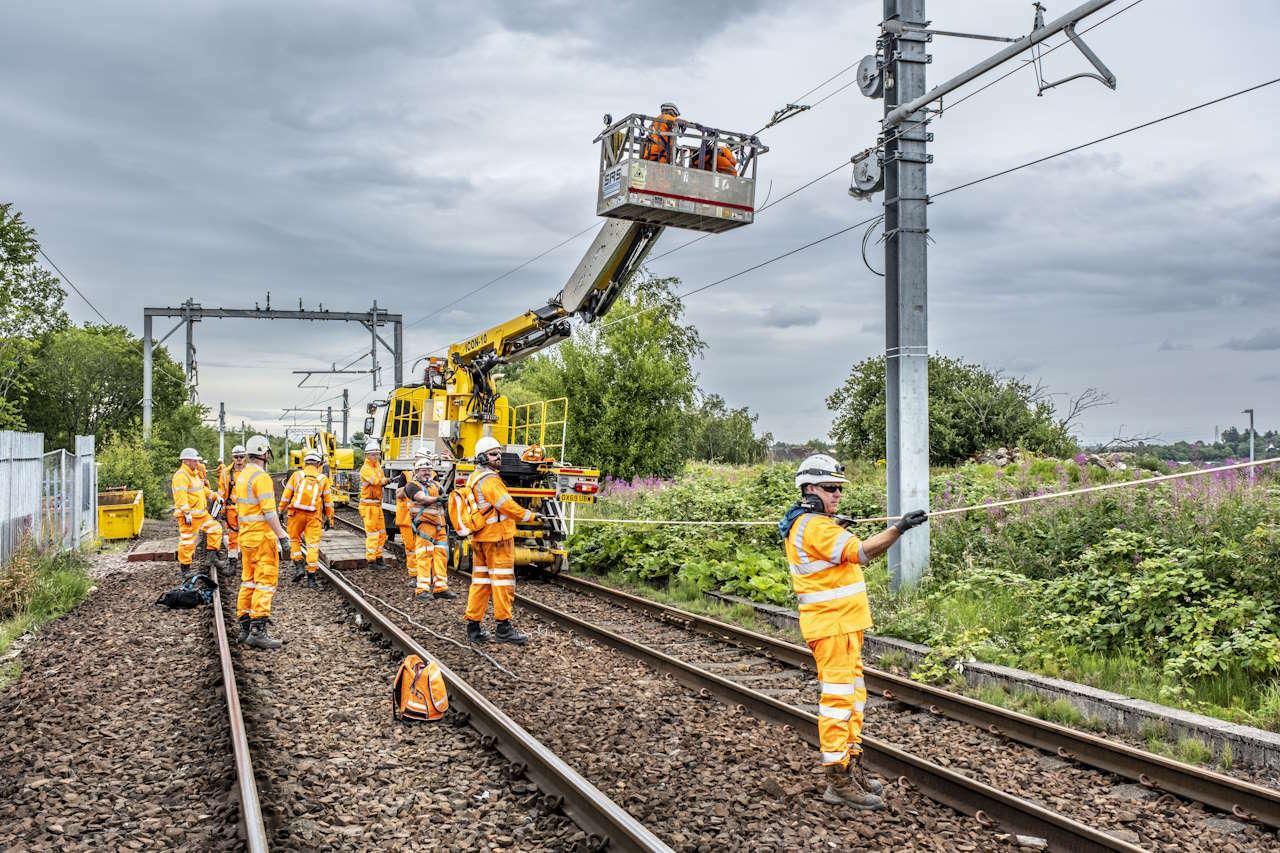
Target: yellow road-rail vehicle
point(457, 401)
point(339, 464)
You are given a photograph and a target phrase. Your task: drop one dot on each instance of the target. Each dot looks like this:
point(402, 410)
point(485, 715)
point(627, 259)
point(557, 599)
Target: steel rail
point(1227, 793)
point(250, 807)
point(608, 823)
point(965, 795)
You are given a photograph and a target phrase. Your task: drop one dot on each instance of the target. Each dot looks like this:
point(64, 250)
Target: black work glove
point(914, 518)
point(328, 524)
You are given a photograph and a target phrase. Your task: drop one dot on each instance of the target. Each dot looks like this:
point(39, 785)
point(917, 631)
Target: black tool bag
point(195, 591)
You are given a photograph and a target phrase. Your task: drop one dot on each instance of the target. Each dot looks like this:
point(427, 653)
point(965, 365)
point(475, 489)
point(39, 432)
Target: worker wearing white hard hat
point(415, 550)
point(226, 482)
point(426, 499)
point(372, 481)
point(191, 502)
point(308, 500)
point(493, 547)
point(260, 535)
point(826, 563)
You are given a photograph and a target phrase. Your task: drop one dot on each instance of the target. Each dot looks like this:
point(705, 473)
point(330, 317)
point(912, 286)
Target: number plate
point(575, 498)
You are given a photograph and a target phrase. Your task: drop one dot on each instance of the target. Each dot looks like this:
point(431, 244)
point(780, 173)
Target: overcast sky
point(341, 152)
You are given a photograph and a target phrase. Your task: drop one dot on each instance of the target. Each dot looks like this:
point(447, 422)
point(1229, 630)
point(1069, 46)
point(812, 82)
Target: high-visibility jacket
point(404, 515)
point(661, 142)
point(227, 482)
point(255, 499)
point(308, 490)
point(372, 479)
point(427, 520)
point(827, 577)
point(500, 509)
point(190, 494)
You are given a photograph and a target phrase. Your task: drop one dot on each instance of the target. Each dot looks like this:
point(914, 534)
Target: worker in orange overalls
point(414, 550)
point(372, 479)
point(724, 161)
point(661, 144)
point(260, 535)
point(493, 561)
point(227, 482)
point(426, 510)
point(308, 499)
point(191, 510)
point(826, 571)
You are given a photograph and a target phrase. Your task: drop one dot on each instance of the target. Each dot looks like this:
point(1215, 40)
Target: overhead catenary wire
point(961, 510)
point(79, 293)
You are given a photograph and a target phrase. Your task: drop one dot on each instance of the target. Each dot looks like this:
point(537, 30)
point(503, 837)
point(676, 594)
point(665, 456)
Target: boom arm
point(615, 254)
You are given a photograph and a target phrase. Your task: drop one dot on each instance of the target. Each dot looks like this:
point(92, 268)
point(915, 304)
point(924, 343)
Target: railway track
point(774, 680)
point(252, 824)
point(988, 805)
point(1244, 800)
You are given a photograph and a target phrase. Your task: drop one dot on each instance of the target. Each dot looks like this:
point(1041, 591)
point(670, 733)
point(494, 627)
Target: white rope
point(1145, 481)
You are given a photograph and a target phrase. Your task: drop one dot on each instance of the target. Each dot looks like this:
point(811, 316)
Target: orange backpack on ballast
point(418, 694)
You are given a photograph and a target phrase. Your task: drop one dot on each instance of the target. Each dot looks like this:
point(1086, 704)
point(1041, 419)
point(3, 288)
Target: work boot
point(244, 628)
point(258, 638)
point(413, 581)
point(379, 562)
point(447, 595)
point(476, 633)
point(843, 789)
point(214, 561)
point(234, 562)
point(311, 581)
point(862, 777)
point(422, 595)
point(508, 634)
point(299, 571)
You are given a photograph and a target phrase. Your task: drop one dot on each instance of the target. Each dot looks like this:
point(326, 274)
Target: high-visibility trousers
point(260, 569)
point(433, 555)
point(844, 695)
point(305, 529)
point(415, 548)
point(493, 566)
point(375, 530)
point(440, 564)
point(189, 535)
point(233, 533)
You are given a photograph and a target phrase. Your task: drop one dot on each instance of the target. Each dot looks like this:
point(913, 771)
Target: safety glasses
point(831, 490)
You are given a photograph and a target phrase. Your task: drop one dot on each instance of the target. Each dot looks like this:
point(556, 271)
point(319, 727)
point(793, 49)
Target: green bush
point(126, 462)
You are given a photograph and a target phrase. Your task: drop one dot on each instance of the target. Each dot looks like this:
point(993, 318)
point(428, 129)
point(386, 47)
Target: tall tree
point(89, 381)
point(721, 434)
point(31, 308)
point(971, 409)
point(630, 383)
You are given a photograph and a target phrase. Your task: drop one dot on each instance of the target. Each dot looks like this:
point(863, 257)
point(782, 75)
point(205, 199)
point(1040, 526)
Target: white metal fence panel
point(20, 489)
point(87, 466)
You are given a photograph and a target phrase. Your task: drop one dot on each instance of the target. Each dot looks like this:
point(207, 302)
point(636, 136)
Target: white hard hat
point(371, 446)
point(819, 468)
point(312, 456)
point(487, 443)
point(238, 450)
point(669, 107)
point(189, 453)
point(423, 460)
point(258, 446)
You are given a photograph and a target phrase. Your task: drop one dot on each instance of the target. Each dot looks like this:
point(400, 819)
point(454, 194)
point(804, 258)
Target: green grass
point(36, 589)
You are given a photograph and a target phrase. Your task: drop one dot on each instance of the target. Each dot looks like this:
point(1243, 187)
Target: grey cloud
point(789, 316)
point(1266, 339)
point(1269, 377)
point(1170, 346)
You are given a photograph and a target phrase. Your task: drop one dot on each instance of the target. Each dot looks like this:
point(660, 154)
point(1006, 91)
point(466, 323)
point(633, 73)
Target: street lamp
point(1249, 412)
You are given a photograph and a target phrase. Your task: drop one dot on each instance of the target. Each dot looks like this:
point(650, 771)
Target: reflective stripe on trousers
point(492, 576)
point(843, 696)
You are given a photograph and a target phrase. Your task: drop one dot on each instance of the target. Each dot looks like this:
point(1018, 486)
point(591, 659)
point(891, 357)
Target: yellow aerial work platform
point(120, 513)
